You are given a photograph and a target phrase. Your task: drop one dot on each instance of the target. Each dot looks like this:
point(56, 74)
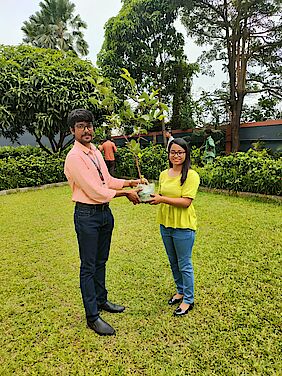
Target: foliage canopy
point(39, 89)
point(143, 39)
point(246, 36)
point(55, 26)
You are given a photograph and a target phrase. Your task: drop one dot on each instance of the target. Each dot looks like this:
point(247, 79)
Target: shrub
point(153, 160)
point(31, 171)
point(20, 151)
point(196, 156)
point(253, 171)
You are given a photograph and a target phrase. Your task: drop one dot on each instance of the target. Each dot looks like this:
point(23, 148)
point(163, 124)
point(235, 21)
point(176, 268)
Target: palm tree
point(55, 26)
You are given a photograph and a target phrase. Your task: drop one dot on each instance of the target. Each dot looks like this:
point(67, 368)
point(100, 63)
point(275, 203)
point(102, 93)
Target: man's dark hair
point(186, 163)
point(79, 114)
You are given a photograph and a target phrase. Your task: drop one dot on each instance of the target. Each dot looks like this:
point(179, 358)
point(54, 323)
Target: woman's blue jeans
point(178, 244)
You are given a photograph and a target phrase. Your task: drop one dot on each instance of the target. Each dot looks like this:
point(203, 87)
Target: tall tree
point(40, 87)
point(247, 36)
point(143, 39)
point(55, 26)
point(181, 99)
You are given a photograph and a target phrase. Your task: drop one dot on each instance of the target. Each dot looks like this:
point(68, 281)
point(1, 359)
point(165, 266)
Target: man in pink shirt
point(109, 148)
point(92, 189)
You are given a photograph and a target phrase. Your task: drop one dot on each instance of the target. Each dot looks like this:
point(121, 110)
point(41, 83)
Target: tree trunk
point(236, 111)
point(38, 140)
point(235, 127)
point(175, 119)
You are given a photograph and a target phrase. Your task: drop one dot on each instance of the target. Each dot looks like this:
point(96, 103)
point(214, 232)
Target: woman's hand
point(180, 202)
point(156, 199)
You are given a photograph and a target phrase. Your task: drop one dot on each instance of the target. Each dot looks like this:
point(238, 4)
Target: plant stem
point(138, 167)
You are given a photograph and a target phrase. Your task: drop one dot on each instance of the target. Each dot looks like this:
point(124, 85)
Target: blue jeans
point(178, 244)
point(93, 226)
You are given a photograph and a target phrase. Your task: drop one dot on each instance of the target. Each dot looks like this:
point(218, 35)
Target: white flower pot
point(147, 190)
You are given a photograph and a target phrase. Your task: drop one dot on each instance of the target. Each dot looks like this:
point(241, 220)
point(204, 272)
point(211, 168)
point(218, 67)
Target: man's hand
point(133, 196)
point(134, 183)
point(156, 199)
point(143, 181)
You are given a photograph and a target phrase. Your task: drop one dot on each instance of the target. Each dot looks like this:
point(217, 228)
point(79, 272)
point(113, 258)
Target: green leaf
point(144, 96)
point(129, 79)
point(164, 106)
point(94, 101)
point(100, 80)
point(145, 117)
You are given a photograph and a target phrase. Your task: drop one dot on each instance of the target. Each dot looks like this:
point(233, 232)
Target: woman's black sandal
point(174, 300)
point(181, 312)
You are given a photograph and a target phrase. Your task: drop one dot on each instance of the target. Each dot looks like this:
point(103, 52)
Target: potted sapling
point(146, 188)
point(140, 111)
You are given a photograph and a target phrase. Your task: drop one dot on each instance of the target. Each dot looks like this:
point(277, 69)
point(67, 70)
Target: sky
point(95, 13)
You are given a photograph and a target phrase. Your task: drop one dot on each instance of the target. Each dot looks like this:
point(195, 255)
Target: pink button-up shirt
point(83, 176)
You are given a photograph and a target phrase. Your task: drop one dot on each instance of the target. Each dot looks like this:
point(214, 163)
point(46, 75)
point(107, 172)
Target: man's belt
point(98, 207)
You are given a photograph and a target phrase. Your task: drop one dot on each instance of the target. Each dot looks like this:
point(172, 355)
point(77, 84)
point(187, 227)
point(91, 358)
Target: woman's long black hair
point(186, 163)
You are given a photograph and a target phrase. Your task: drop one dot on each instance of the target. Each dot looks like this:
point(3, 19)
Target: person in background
point(209, 152)
point(169, 137)
point(92, 189)
point(176, 215)
point(109, 148)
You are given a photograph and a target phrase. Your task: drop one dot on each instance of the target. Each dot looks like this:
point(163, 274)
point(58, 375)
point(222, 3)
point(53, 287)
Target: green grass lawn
point(233, 329)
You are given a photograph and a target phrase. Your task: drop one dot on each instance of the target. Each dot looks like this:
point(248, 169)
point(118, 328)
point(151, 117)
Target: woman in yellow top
point(177, 218)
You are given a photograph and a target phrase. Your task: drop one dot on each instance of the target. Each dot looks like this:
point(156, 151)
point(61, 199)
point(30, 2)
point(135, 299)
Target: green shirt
point(210, 147)
point(172, 216)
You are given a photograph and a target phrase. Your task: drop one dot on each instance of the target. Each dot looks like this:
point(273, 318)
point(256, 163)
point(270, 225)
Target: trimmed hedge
point(31, 171)
point(20, 151)
point(253, 171)
point(30, 166)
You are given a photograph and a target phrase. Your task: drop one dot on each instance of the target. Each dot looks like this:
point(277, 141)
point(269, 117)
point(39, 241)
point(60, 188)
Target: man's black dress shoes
point(101, 327)
point(181, 312)
point(111, 307)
